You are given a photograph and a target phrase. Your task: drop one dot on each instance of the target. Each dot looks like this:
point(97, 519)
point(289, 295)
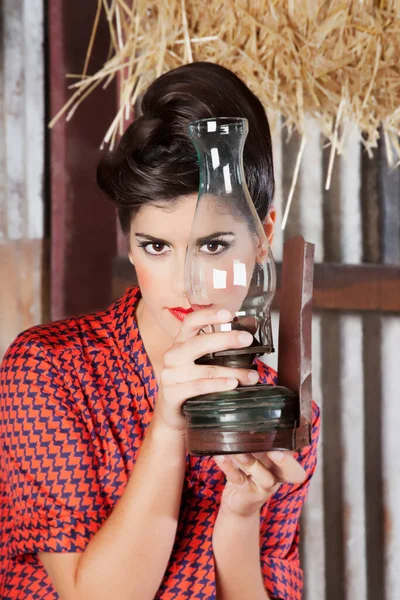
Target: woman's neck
point(156, 341)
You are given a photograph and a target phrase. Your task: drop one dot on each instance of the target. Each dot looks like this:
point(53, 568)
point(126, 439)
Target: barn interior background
point(61, 254)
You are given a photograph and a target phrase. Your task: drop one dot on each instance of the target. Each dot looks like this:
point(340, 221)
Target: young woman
point(99, 498)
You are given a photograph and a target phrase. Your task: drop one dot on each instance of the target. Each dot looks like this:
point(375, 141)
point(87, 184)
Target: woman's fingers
point(287, 467)
point(176, 394)
point(252, 467)
point(182, 379)
point(273, 468)
point(199, 319)
point(233, 474)
point(181, 375)
point(181, 354)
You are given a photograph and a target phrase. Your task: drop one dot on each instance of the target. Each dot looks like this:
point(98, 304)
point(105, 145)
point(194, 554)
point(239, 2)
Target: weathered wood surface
point(83, 230)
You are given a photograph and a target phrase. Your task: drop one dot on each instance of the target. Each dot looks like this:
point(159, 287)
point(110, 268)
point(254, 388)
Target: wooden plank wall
point(23, 301)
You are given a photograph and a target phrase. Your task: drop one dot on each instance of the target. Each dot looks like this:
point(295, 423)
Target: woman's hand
point(253, 478)
point(181, 378)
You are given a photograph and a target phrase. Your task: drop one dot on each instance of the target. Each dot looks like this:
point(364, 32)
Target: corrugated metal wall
point(22, 297)
point(351, 521)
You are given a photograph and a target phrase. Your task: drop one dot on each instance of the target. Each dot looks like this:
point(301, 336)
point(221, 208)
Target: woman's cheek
point(143, 276)
point(150, 275)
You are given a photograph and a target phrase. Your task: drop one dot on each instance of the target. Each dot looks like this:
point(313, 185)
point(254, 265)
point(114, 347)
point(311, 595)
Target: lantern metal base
point(248, 419)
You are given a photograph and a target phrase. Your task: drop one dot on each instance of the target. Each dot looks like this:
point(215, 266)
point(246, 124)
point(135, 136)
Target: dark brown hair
point(156, 161)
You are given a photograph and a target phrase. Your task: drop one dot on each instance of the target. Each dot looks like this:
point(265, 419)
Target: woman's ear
point(269, 224)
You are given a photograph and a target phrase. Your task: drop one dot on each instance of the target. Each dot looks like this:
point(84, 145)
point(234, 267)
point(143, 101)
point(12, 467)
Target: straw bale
point(337, 61)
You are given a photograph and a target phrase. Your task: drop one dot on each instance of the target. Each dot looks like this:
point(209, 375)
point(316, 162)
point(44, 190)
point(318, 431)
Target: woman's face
point(159, 238)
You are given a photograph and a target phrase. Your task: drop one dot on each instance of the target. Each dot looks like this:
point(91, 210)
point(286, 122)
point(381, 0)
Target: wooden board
point(83, 223)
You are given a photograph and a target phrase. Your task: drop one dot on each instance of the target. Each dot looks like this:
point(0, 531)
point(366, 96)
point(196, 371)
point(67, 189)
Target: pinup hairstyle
point(156, 161)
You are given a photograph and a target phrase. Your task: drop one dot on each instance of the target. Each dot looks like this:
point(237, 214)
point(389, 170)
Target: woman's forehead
point(172, 221)
point(165, 216)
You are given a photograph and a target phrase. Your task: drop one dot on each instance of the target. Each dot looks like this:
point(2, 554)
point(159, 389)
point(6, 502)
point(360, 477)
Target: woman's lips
point(180, 313)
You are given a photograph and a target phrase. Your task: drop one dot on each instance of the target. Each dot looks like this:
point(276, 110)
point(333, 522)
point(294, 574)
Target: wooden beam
point(346, 288)
point(83, 227)
point(356, 288)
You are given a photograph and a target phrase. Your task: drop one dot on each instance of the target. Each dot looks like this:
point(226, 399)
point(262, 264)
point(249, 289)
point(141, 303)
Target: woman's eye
point(214, 247)
point(155, 248)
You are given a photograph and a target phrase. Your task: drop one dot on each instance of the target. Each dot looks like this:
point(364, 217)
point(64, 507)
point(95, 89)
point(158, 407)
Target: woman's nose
point(178, 276)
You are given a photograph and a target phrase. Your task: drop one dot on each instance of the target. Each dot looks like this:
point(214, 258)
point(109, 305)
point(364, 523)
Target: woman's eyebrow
point(212, 236)
point(152, 238)
point(202, 240)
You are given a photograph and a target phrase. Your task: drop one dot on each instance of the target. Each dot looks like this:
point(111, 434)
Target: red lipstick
point(179, 312)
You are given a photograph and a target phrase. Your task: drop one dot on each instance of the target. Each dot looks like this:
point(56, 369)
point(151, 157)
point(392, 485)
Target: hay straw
point(189, 53)
point(294, 181)
point(299, 57)
point(334, 144)
point(92, 38)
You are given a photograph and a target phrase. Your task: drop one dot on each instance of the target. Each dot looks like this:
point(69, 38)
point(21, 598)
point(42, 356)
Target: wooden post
point(83, 231)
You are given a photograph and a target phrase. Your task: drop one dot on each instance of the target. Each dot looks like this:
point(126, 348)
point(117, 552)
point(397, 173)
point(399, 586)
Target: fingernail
point(253, 376)
point(276, 456)
point(245, 337)
point(224, 314)
point(231, 382)
point(220, 458)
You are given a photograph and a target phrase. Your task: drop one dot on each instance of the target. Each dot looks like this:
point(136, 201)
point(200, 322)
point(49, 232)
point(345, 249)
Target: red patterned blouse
point(76, 397)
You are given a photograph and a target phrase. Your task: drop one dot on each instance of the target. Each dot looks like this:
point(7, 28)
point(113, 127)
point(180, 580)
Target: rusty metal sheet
point(312, 544)
point(351, 384)
point(3, 179)
point(389, 190)
point(390, 454)
point(14, 133)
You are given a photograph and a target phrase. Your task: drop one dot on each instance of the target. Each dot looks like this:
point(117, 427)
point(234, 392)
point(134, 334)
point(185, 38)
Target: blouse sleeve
point(49, 490)
point(279, 528)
